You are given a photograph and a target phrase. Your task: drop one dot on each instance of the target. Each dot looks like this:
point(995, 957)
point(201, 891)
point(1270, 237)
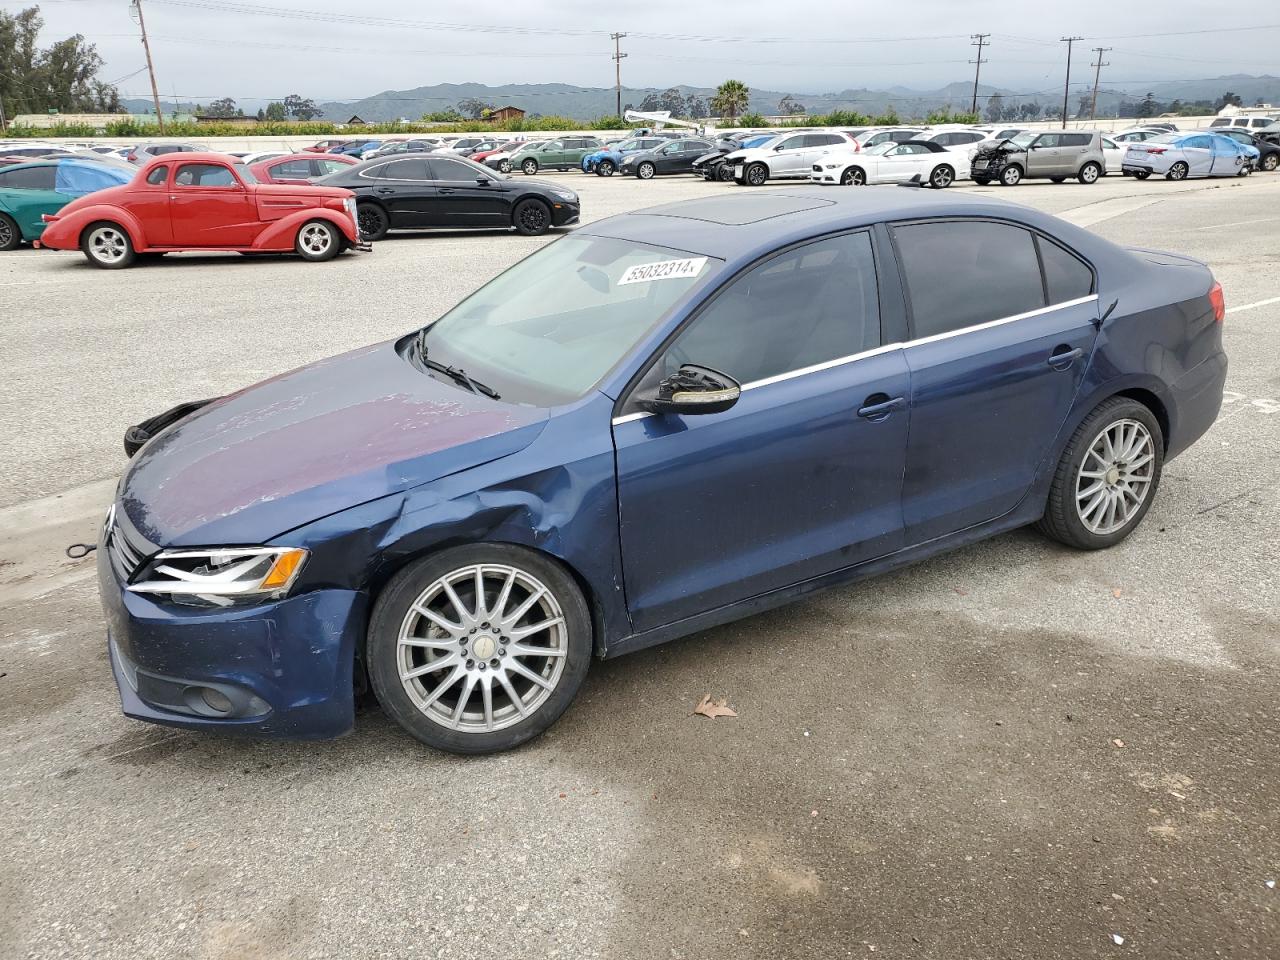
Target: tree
point(1029, 111)
point(731, 98)
point(995, 108)
point(696, 107)
point(301, 108)
point(473, 107)
point(62, 77)
point(1228, 99)
point(672, 100)
point(223, 107)
point(275, 112)
point(789, 106)
point(444, 116)
point(1149, 106)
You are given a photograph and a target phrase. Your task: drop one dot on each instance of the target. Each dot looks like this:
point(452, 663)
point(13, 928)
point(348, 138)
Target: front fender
point(281, 233)
point(64, 232)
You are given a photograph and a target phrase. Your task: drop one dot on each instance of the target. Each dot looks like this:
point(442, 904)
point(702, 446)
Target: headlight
point(830, 166)
point(222, 575)
point(565, 195)
point(349, 205)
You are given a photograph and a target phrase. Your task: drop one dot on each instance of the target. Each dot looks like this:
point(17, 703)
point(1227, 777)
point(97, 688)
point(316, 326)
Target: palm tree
point(730, 99)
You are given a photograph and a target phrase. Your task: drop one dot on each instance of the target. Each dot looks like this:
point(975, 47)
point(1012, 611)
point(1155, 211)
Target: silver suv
point(1056, 155)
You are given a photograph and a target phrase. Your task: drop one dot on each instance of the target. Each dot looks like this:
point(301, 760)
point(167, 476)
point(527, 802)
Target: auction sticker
point(663, 270)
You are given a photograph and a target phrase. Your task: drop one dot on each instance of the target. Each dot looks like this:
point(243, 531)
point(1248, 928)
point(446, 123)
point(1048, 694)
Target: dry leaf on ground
point(714, 708)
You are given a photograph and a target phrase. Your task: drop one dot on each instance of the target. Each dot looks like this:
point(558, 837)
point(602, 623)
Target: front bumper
point(563, 214)
point(283, 668)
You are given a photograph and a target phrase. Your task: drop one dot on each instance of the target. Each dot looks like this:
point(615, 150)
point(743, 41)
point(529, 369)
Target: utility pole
point(1066, 89)
point(979, 41)
point(1097, 72)
point(155, 91)
point(617, 67)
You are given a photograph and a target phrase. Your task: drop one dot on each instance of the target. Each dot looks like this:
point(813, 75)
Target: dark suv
point(1057, 156)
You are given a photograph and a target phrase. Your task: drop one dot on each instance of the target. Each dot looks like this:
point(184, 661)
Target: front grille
point(127, 549)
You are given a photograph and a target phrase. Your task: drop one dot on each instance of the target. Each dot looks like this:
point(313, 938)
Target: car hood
point(996, 149)
point(752, 153)
point(309, 443)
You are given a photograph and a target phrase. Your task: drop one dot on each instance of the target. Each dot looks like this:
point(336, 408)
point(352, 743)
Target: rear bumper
point(1197, 398)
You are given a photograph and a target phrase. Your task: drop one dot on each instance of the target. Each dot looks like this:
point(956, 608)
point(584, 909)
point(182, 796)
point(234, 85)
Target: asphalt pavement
point(1011, 751)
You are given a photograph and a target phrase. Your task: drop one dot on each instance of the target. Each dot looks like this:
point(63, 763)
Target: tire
point(605, 168)
point(1270, 162)
point(723, 173)
point(1011, 175)
point(504, 166)
point(1058, 179)
point(645, 170)
point(532, 218)
point(1245, 170)
point(373, 220)
point(1083, 526)
point(1089, 173)
point(317, 241)
point(1141, 174)
point(10, 235)
point(1178, 171)
point(853, 177)
point(445, 707)
point(982, 181)
point(757, 175)
point(942, 177)
point(107, 245)
point(530, 166)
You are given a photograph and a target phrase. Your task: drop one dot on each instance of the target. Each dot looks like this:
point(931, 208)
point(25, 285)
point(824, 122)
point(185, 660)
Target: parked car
point(1056, 155)
point(1268, 149)
point(1164, 125)
point(325, 146)
point(480, 156)
point(787, 156)
point(1247, 123)
point(434, 190)
point(36, 151)
point(675, 156)
point(203, 201)
point(354, 148)
point(31, 189)
point(249, 159)
point(146, 151)
point(559, 467)
point(871, 138)
point(416, 145)
point(606, 161)
point(465, 146)
point(1112, 156)
point(500, 160)
point(563, 153)
point(1178, 156)
point(300, 169)
point(1136, 135)
point(712, 165)
point(889, 162)
point(958, 140)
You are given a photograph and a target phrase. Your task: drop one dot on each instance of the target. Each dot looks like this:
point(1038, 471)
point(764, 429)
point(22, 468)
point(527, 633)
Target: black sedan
point(419, 192)
point(1268, 148)
point(674, 157)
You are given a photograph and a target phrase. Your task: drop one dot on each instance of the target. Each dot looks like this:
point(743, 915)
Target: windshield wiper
point(457, 374)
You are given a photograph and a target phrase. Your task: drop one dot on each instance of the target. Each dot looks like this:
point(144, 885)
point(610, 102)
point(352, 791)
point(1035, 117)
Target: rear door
point(997, 351)
point(210, 207)
point(1198, 153)
point(461, 200)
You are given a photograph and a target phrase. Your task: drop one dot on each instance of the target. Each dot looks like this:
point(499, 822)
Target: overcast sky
point(336, 49)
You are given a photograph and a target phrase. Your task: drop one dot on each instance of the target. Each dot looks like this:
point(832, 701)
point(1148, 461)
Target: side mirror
point(1035, 146)
point(483, 181)
point(692, 390)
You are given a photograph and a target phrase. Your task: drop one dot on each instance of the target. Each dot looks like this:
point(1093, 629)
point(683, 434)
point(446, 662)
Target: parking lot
point(1013, 750)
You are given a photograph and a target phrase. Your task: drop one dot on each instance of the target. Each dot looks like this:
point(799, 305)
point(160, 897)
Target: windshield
point(1024, 139)
point(548, 329)
point(881, 148)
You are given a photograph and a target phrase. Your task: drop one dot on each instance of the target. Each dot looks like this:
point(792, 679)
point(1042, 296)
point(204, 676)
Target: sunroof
point(736, 211)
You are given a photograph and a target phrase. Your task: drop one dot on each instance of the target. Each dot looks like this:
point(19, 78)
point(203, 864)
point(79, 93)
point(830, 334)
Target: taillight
point(1219, 303)
point(1156, 149)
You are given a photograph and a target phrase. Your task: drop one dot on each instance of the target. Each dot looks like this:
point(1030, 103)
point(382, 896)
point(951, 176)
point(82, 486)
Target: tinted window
point(162, 148)
point(964, 272)
point(330, 166)
point(811, 304)
point(792, 143)
point(453, 171)
point(899, 135)
point(158, 176)
point(414, 168)
point(967, 136)
point(29, 178)
point(204, 175)
point(905, 149)
point(1066, 277)
point(1074, 139)
point(292, 170)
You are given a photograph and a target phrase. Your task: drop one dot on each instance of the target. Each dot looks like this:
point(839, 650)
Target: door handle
point(384, 190)
point(1063, 357)
point(446, 190)
point(879, 405)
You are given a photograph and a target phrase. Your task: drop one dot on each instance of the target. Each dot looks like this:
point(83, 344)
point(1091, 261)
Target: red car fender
point(281, 233)
point(63, 232)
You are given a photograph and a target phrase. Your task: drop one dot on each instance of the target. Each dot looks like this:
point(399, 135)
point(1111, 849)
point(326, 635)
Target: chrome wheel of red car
point(107, 245)
point(317, 240)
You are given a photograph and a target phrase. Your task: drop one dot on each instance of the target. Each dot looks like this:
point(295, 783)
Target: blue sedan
point(662, 422)
point(606, 162)
point(1178, 156)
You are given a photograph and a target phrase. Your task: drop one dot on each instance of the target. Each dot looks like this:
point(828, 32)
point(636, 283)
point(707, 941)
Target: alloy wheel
point(645, 171)
point(315, 239)
point(482, 648)
point(1178, 171)
point(108, 245)
point(853, 177)
point(6, 234)
point(533, 217)
point(1115, 477)
point(942, 177)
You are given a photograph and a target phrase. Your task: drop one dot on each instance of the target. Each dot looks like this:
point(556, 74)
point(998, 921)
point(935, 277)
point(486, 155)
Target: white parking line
point(1236, 223)
point(1254, 305)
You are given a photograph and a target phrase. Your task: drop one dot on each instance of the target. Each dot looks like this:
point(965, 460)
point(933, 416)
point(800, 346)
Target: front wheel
point(108, 246)
point(530, 167)
point(1106, 478)
point(531, 218)
point(942, 176)
point(606, 168)
point(1178, 171)
point(10, 235)
point(853, 177)
point(504, 166)
point(757, 175)
point(724, 173)
point(317, 241)
point(1090, 173)
point(479, 648)
point(373, 220)
point(646, 170)
point(1011, 175)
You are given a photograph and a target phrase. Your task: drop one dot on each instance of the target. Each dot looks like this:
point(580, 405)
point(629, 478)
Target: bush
point(751, 120)
point(946, 116)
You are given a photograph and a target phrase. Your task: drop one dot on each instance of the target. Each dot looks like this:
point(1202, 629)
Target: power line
point(979, 39)
point(1066, 90)
point(1097, 74)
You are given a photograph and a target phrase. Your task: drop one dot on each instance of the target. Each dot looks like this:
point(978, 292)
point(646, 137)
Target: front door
point(1199, 154)
point(803, 475)
point(461, 200)
point(210, 207)
point(1227, 156)
point(407, 191)
point(994, 370)
point(903, 162)
point(789, 157)
point(1044, 157)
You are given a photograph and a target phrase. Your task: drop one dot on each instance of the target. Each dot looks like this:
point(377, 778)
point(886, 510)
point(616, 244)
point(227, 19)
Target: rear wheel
point(1011, 175)
point(373, 220)
point(606, 168)
point(531, 217)
point(479, 648)
point(1058, 179)
point(1107, 477)
point(1141, 174)
point(757, 175)
point(982, 181)
point(317, 241)
point(108, 246)
point(1178, 171)
point(10, 235)
point(942, 176)
point(1270, 161)
point(1089, 173)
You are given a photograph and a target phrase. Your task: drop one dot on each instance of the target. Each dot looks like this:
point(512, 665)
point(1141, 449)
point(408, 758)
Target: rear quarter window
point(1066, 276)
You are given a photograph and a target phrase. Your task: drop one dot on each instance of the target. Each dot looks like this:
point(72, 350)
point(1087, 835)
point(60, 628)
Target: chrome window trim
point(886, 348)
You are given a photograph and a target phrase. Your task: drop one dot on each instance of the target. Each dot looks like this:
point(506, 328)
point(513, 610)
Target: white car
point(1112, 155)
point(890, 162)
point(1136, 135)
point(896, 134)
point(787, 156)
